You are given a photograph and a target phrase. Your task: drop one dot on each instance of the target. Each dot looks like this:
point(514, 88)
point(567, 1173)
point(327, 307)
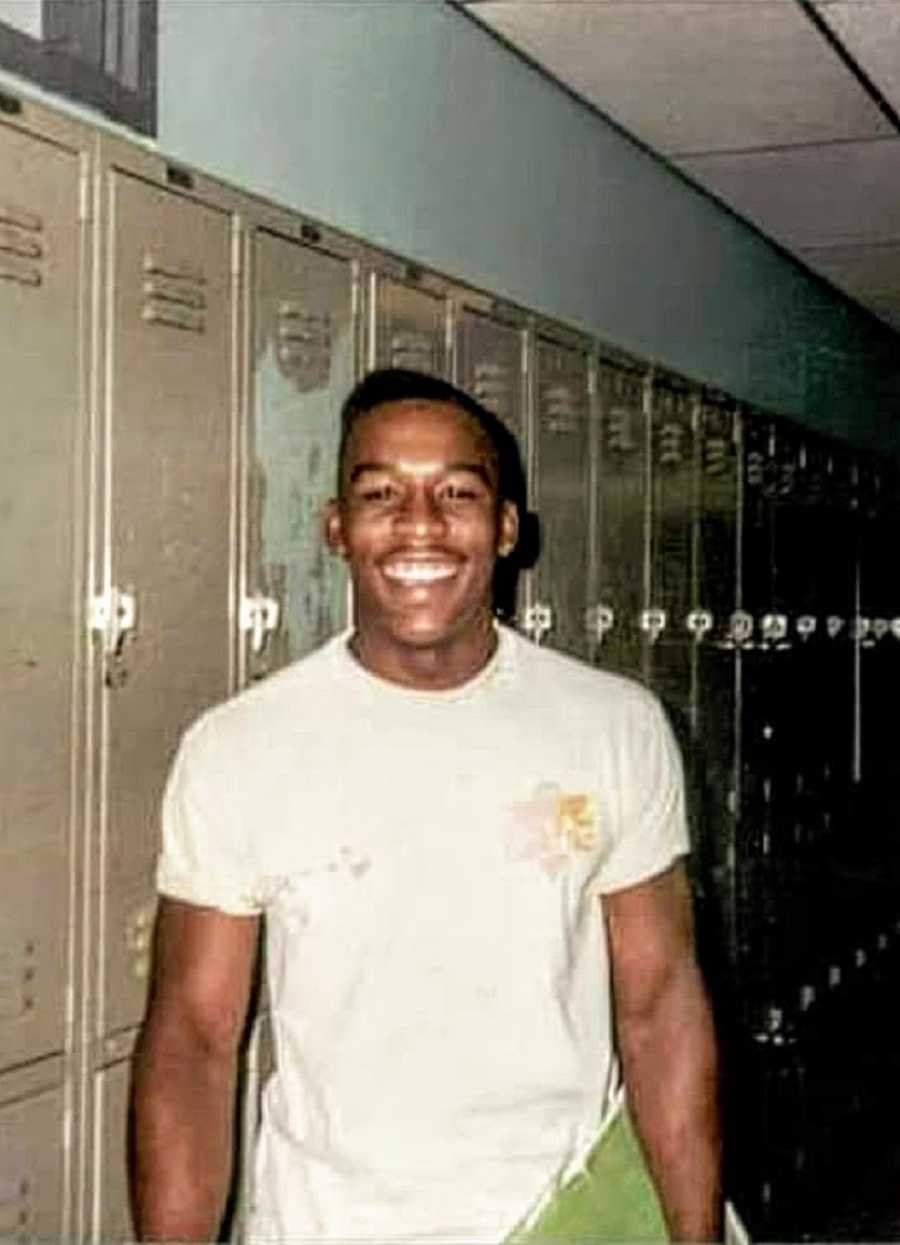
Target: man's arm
point(667, 1046)
point(184, 1074)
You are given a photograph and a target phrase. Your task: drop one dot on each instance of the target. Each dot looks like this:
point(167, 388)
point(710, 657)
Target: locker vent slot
point(561, 413)
point(19, 246)
point(17, 975)
point(304, 346)
point(493, 388)
point(174, 295)
point(413, 349)
point(16, 1201)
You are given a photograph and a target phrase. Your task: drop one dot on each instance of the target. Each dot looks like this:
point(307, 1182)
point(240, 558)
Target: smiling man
point(468, 853)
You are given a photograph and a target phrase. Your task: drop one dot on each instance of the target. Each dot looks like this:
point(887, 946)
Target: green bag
point(611, 1199)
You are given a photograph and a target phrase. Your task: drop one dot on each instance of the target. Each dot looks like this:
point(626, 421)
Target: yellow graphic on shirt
point(553, 827)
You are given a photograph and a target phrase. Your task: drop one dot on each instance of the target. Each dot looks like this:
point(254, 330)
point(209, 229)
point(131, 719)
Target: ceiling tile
point(844, 193)
point(868, 273)
point(870, 32)
point(696, 75)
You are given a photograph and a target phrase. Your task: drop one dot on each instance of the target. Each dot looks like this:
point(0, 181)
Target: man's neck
point(427, 668)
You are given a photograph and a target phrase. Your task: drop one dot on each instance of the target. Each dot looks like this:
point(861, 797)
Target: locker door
point(490, 366)
point(621, 509)
point(41, 503)
point(32, 1167)
point(305, 363)
point(111, 1216)
point(408, 327)
point(716, 593)
point(170, 421)
point(665, 620)
point(562, 489)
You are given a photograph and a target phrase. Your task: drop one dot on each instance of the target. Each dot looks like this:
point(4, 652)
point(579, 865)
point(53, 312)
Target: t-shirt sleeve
point(650, 830)
point(205, 857)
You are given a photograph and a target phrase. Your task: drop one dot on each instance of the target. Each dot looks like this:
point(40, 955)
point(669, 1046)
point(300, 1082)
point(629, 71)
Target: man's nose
point(421, 514)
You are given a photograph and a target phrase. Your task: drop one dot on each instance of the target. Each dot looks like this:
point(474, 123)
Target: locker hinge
point(259, 617)
point(113, 615)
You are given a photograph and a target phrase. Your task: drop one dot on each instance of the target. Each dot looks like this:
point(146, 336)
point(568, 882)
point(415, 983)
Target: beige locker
point(408, 327)
point(304, 363)
point(42, 292)
point(621, 518)
point(165, 608)
point(110, 1213)
point(32, 1164)
point(562, 496)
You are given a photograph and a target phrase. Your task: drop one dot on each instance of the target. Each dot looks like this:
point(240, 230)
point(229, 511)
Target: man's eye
point(459, 492)
point(377, 493)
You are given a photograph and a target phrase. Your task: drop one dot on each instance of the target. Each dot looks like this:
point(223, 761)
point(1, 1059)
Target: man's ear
point(507, 528)
point(333, 528)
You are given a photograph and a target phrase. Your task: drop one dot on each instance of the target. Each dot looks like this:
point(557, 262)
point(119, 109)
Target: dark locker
point(621, 508)
point(562, 490)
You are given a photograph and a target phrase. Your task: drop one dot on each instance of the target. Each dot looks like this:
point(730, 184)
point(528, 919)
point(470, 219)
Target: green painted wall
point(404, 122)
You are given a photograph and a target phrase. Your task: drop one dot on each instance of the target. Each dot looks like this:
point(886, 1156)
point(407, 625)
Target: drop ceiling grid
point(870, 31)
point(838, 194)
point(691, 76)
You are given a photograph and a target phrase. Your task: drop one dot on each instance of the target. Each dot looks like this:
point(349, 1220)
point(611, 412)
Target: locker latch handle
point(699, 623)
point(895, 628)
point(538, 620)
point(774, 629)
point(834, 625)
point(599, 619)
point(259, 616)
point(113, 615)
point(806, 626)
point(653, 623)
point(880, 628)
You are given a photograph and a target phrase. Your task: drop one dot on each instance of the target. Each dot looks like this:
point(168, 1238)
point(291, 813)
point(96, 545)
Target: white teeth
point(418, 572)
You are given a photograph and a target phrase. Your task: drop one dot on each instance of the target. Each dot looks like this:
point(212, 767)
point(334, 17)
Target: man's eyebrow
point(477, 468)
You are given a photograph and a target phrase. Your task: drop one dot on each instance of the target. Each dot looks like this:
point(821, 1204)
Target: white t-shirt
point(429, 866)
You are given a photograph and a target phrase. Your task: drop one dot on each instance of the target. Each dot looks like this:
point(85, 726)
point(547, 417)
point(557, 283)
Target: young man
point(467, 850)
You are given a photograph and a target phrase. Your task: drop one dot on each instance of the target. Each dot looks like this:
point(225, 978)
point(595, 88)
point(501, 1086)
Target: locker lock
point(861, 629)
point(740, 628)
point(895, 628)
point(774, 628)
point(653, 623)
point(699, 623)
point(880, 628)
point(259, 617)
point(538, 621)
point(806, 626)
point(599, 619)
point(834, 625)
point(113, 615)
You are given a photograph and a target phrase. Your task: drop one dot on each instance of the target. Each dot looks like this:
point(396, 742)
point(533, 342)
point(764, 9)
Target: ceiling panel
point(870, 274)
point(845, 193)
point(695, 75)
point(870, 31)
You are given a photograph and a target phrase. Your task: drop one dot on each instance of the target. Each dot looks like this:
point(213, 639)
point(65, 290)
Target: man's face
point(419, 523)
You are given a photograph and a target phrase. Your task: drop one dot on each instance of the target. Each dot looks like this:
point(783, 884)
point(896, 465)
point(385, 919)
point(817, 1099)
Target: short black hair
point(396, 384)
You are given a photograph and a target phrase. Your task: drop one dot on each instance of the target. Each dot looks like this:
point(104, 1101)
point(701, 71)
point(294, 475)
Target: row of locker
point(177, 353)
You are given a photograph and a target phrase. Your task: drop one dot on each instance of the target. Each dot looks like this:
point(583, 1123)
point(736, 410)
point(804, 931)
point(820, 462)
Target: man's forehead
point(418, 431)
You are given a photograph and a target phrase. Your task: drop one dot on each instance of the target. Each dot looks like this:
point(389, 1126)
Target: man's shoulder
point(547, 671)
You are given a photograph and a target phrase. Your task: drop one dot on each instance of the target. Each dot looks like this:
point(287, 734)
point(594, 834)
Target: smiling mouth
point(418, 572)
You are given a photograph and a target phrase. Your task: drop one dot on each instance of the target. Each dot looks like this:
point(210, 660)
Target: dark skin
point(420, 524)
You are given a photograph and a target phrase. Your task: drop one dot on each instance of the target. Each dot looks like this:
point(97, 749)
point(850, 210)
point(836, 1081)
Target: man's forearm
point(669, 1062)
point(181, 1140)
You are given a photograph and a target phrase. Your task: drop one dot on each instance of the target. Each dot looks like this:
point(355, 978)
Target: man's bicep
point(203, 968)
point(651, 939)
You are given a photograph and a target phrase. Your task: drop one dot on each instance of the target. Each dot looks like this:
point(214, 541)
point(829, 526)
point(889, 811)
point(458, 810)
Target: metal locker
point(614, 616)
point(713, 770)
point(43, 287)
point(490, 366)
point(667, 619)
point(163, 614)
point(408, 326)
point(562, 494)
point(304, 365)
point(490, 359)
point(32, 1164)
point(110, 1213)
